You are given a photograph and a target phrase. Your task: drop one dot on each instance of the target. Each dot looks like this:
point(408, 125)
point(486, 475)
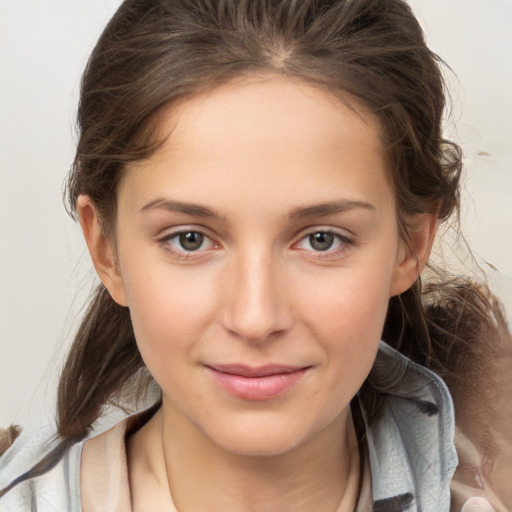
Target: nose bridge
point(256, 307)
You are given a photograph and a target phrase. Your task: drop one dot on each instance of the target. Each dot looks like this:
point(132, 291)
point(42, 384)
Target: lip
point(256, 383)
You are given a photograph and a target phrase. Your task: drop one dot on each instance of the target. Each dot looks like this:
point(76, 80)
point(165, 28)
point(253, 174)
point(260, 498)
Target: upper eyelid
point(343, 233)
point(341, 237)
point(171, 232)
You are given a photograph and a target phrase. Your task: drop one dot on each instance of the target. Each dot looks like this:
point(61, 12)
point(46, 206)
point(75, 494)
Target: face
point(257, 251)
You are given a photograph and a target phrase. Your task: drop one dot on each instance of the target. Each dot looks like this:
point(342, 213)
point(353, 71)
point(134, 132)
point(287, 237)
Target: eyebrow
point(193, 209)
point(329, 208)
point(300, 212)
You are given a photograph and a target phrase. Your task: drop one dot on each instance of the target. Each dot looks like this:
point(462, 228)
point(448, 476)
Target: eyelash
point(166, 243)
point(344, 243)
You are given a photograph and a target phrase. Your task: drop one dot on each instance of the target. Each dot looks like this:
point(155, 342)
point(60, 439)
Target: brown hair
point(155, 52)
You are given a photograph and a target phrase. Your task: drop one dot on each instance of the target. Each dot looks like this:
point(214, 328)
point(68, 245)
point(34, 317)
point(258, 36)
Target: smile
point(262, 383)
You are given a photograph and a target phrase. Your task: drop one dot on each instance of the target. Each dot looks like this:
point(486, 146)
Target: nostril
point(256, 334)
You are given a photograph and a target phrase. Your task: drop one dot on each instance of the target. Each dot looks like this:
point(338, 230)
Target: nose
point(255, 306)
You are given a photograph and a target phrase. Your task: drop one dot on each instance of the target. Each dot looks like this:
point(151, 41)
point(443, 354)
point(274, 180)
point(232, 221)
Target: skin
point(258, 153)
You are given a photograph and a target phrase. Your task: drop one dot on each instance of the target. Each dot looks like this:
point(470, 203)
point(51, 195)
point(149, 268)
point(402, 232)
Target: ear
point(101, 249)
point(414, 252)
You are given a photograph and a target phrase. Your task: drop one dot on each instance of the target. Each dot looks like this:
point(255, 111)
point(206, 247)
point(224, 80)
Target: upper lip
point(256, 371)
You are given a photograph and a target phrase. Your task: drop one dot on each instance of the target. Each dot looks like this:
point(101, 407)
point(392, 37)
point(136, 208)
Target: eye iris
point(321, 241)
point(191, 241)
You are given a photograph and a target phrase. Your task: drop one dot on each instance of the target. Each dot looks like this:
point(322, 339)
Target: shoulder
point(95, 466)
point(55, 490)
point(418, 451)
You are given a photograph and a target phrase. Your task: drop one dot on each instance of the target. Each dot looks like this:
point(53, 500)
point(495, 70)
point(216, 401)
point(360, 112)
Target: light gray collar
point(412, 454)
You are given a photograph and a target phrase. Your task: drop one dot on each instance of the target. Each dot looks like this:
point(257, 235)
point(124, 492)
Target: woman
point(259, 185)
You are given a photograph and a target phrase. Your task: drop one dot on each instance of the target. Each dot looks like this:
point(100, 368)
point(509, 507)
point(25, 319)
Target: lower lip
point(257, 388)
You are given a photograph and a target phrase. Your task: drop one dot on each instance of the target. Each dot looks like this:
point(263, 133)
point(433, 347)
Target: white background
point(45, 273)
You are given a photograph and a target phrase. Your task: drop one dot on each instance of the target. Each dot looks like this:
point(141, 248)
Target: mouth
point(256, 383)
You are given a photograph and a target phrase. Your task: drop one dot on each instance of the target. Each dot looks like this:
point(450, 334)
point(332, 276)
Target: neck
point(320, 474)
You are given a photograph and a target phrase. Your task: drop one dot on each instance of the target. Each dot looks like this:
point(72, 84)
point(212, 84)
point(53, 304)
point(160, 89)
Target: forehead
point(264, 135)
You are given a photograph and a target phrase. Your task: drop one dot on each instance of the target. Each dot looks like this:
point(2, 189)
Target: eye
point(321, 241)
point(324, 242)
point(187, 241)
point(190, 241)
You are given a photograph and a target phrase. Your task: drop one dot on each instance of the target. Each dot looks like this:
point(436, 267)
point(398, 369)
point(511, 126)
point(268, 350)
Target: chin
point(270, 436)
point(261, 444)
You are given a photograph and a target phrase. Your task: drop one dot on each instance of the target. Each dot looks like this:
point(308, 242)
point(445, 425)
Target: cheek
point(169, 312)
point(353, 303)
point(346, 315)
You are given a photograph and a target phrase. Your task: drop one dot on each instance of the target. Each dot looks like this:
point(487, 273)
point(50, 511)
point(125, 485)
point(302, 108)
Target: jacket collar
point(410, 444)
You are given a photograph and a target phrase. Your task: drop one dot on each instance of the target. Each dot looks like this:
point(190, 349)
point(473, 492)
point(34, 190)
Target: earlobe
point(414, 252)
point(101, 249)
